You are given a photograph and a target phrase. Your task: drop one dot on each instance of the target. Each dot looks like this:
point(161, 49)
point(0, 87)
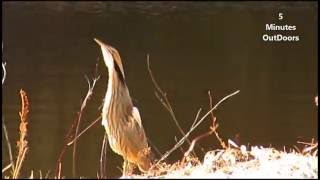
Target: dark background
point(194, 47)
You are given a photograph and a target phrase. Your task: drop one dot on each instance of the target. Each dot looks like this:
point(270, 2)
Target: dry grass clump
point(259, 162)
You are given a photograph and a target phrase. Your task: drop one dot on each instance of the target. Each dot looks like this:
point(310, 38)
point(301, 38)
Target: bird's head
point(111, 57)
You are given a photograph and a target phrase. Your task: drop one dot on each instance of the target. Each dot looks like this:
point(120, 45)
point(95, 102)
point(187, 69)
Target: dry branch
point(212, 129)
point(9, 147)
point(85, 129)
point(182, 140)
point(103, 157)
point(75, 128)
point(83, 105)
point(222, 143)
point(4, 126)
point(162, 96)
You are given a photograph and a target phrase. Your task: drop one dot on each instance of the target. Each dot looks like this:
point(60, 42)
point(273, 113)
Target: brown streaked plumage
point(120, 118)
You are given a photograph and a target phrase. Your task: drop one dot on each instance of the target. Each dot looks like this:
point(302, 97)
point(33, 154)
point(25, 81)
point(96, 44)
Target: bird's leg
point(127, 168)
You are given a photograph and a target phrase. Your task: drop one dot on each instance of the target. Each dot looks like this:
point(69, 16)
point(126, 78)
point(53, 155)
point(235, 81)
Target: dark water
point(193, 47)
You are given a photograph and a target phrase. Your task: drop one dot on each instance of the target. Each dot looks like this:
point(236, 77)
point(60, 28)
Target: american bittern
point(120, 118)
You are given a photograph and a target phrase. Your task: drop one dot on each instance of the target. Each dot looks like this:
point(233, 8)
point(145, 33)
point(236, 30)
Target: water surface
point(193, 48)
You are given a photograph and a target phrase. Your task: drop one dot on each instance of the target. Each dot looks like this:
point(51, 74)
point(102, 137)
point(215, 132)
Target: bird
point(120, 118)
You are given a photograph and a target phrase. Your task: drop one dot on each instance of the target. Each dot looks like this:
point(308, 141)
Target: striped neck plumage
point(108, 59)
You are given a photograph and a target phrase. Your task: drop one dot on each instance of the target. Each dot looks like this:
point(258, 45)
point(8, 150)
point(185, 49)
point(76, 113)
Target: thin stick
point(31, 175)
point(195, 120)
point(310, 148)
point(59, 171)
point(182, 140)
point(3, 124)
point(40, 174)
point(163, 99)
point(4, 68)
point(176, 140)
point(8, 144)
point(69, 136)
point(83, 105)
point(6, 168)
point(297, 149)
point(103, 157)
point(306, 143)
point(212, 129)
point(222, 143)
point(210, 105)
point(47, 174)
point(83, 131)
point(4, 72)
point(197, 116)
point(64, 148)
point(155, 147)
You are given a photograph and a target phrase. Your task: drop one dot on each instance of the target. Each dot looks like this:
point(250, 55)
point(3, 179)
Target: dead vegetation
point(73, 133)
point(259, 162)
point(231, 161)
point(22, 143)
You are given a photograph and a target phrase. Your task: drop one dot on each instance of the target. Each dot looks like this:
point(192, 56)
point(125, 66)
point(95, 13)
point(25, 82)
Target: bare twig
point(310, 145)
point(222, 143)
point(176, 140)
point(230, 143)
point(310, 148)
point(76, 123)
point(3, 68)
point(4, 72)
point(197, 116)
point(22, 143)
point(162, 96)
point(212, 129)
point(210, 105)
point(8, 144)
point(3, 123)
point(6, 168)
point(195, 120)
point(103, 157)
point(182, 140)
point(68, 138)
point(296, 148)
point(31, 175)
point(83, 131)
point(155, 147)
point(40, 174)
point(47, 174)
point(59, 171)
point(83, 105)
point(307, 143)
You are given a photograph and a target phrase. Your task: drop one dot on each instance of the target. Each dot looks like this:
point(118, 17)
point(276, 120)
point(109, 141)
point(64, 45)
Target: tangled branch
point(75, 127)
point(182, 140)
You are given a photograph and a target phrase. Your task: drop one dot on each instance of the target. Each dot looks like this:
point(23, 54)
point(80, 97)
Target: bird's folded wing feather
point(136, 116)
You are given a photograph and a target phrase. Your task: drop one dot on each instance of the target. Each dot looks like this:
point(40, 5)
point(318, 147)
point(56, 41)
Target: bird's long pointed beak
point(99, 42)
point(110, 54)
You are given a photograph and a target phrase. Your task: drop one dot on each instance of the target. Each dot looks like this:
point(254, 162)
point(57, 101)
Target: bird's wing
point(136, 116)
